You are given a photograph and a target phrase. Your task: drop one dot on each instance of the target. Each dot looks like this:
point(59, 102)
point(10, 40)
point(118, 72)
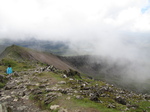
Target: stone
point(68, 98)
point(16, 74)
point(5, 108)
point(15, 100)
point(2, 78)
point(120, 100)
point(62, 110)
point(7, 97)
point(7, 87)
point(25, 97)
point(54, 107)
point(132, 106)
point(79, 97)
point(64, 76)
point(21, 93)
point(59, 94)
point(71, 79)
point(147, 97)
point(85, 88)
point(50, 97)
point(21, 108)
point(94, 97)
point(36, 91)
point(62, 82)
point(111, 106)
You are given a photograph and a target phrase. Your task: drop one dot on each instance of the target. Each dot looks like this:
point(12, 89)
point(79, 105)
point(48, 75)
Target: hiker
point(9, 70)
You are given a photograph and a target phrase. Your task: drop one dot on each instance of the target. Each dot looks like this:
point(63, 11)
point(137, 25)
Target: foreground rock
point(43, 88)
point(5, 108)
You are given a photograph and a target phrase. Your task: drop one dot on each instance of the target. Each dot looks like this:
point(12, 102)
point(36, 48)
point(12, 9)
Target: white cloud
point(79, 20)
point(62, 18)
point(115, 28)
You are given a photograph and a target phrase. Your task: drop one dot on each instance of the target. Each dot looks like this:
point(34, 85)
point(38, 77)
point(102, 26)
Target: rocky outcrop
point(2, 78)
point(38, 85)
point(5, 108)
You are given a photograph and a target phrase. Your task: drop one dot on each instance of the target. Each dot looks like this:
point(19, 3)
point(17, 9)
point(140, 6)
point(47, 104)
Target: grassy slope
point(2, 48)
point(109, 71)
point(71, 103)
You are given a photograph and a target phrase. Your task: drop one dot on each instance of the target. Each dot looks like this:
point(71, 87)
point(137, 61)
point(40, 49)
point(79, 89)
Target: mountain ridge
point(22, 53)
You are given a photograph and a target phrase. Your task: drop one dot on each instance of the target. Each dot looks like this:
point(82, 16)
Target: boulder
point(62, 110)
point(120, 100)
point(5, 108)
point(62, 82)
point(50, 97)
point(111, 106)
point(94, 97)
point(147, 97)
point(2, 78)
point(54, 107)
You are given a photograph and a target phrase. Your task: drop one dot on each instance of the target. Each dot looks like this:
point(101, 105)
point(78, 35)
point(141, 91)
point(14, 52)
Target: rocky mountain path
point(15, 95)
point(44, 86)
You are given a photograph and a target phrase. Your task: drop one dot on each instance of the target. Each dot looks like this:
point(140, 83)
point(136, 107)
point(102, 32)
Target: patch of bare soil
point(50, 59)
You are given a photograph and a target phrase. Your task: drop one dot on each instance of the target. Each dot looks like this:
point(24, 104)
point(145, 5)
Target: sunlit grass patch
point(2, 85)
point(16, 65)
point(86, 103)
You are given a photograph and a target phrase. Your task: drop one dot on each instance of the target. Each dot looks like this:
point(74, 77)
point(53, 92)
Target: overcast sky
point(73, 19)
point(101, 23)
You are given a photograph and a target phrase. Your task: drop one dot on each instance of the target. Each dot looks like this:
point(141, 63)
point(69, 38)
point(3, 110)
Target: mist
point(115, 30)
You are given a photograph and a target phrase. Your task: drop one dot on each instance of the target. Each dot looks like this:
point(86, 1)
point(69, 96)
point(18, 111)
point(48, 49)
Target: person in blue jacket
point(9, 70)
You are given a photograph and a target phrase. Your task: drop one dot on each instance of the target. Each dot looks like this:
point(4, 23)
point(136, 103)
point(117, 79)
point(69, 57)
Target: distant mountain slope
point(2, 48)
point(55, 47)
point(114, 72)
point(21, 53)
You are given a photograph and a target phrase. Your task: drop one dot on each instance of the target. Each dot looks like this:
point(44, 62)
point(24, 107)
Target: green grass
point(86, 103)
point(16, 65)
point(2, 85)
point(143, 105)
point(56, 76)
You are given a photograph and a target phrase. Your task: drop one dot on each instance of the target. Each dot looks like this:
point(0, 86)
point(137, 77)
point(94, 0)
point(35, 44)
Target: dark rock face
point(147, 97)
point(49, 68)
point(120, 100)
point(2, 78)
point(49, 98)
point(94, 97)
point(36, 91)
point(5, 108)
point(72, 73)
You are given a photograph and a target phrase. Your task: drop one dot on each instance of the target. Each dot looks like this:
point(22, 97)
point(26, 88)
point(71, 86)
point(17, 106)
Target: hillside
point(26, 54)
point(55, 47)
point(41, 88)
point(2, 48)
point(113, 72)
